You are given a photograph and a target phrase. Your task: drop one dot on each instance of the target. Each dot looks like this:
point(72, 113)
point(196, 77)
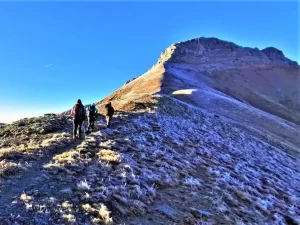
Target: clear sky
point(53, 53)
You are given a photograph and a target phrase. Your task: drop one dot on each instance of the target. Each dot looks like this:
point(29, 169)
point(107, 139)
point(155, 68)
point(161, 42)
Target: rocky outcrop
point(130, 80)
point(213, 51)
point(277, 57)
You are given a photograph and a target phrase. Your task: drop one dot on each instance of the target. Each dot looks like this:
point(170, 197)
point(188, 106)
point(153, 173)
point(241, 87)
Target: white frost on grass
point(151, 189)
point(83, 185)
point(192, 181)
point(240, 162)
point(244, 167)
point(139, 190)
point(214, 171)
point(150, 176)
point(264, 203)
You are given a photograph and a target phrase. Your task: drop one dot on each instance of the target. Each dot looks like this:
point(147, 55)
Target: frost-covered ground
point(184, 166)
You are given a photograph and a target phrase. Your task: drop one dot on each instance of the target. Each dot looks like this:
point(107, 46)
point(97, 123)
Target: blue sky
point(53, 53)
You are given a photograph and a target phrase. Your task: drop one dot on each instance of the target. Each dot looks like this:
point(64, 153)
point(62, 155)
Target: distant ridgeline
point(49, 114)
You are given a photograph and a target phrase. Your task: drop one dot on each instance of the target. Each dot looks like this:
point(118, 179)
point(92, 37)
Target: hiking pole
point(83, 126)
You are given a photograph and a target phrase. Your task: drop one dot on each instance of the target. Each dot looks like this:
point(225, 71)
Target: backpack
point(109, 110)
point(92, 111)
point(79, 112)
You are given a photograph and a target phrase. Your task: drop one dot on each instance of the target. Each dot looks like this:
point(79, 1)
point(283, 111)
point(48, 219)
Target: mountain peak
point(272, 50)
point(215, 51)
point(275, 55)
point(210, 42)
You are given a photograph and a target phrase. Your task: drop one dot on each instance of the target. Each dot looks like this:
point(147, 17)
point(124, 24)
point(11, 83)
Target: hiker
point(79, 114)
point(92, 113)
point(109, 111)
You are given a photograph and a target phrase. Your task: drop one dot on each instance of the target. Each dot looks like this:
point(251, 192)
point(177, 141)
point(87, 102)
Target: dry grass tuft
point(4, 152)
point(96, 221)
point(88, 208)
point(26, 147)
point(11, 141)
point(69, 217)
point(67, 157)
point(56, 139)
point(9, 168)
point(52, 166)
point(66, 204)
point(25, 198)
point(109, 156)
point(104, 214)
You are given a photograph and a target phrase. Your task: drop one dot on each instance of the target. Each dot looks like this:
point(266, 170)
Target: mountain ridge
point(265, 94)
point(202, 140)
point(202, 46)
point(221, 70)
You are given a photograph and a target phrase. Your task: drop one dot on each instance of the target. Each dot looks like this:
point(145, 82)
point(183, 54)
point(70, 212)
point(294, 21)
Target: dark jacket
point(109, 110)
point(92, 111)
point(78, 111)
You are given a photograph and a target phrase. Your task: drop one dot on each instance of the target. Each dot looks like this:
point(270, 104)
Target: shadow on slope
point(242, 113)
point(273, 89)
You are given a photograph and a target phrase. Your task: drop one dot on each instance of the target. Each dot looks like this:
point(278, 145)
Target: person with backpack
point(92, 113)
point(78, 113)
point(109, 111)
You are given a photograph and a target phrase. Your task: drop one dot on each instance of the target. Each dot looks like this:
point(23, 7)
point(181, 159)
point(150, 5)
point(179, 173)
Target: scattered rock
point(120, 199)
point(67, 191)
point(289, 220)
point(124, 166)
point(138, 207)
point(121, 209)
point(199, 213)
point(166, 210)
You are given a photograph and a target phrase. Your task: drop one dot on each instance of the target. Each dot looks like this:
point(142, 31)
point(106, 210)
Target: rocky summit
point(209, 135)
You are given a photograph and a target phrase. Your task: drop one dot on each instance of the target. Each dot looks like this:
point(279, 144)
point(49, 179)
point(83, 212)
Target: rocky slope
point(257, 88)
point(265, 79)
point(182, 149)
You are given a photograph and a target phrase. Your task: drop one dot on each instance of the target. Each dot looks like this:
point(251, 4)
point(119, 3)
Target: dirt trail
point(28, 180)
point(35, 180)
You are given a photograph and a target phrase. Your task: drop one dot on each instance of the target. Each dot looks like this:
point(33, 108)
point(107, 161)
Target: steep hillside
point(209, 135)
point(176, 164)
point(137, 94)
point(264, 79)
point(252, 87)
